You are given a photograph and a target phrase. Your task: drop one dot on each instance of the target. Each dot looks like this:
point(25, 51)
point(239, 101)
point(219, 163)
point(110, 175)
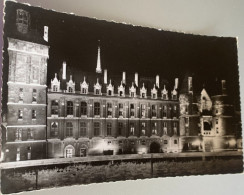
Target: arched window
point(83, 108)
point(69, 129)
point(69, 108)
point(97, 109)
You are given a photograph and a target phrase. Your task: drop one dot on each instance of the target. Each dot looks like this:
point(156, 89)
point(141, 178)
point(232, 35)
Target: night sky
point(132, 49)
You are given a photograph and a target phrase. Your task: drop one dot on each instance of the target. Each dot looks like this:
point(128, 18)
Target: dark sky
point(133, 49)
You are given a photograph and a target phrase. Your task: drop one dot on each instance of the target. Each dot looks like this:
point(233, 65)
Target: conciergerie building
point(82, 113)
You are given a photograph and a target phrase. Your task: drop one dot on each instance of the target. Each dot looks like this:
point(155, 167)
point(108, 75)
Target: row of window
point(121, 92)
point(19, 133)
point(20, 114)
point(83, 132)
point(97, 109)
point(21, 95)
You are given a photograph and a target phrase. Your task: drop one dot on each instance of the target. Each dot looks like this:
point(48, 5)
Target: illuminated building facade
point(100, 113)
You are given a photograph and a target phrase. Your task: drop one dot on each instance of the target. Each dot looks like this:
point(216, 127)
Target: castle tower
point(26, 104)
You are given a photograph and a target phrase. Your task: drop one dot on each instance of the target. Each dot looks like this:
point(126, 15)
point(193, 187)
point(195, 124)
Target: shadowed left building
point(24, 129)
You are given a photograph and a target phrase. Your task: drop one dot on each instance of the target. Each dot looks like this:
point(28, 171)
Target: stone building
point(100, 113)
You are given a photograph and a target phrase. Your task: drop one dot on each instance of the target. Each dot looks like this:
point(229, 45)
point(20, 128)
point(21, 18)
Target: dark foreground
point(47, 176)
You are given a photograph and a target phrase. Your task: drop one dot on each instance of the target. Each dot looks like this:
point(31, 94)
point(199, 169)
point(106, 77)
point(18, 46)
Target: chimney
point(190, 84)
point(64, 71)
point(223, 83)
point(45, 36)
point(157, 81)
point(136, 79)
point(124, 78)
point(176, 83)
point(105, 76)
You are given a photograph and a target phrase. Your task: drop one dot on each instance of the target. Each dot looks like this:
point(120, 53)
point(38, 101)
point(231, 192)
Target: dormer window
point(164, 93)
point(97, 88)
point(174, 94)
point(132, 91)
point(154, 93)
point(71, 85)
point(84, 87)
point(121, 90)
point(143, 92)
point(110, 89)
point(55, 84)
point(22, 20)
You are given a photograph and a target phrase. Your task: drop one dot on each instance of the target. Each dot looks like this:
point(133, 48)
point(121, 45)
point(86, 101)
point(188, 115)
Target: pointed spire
point(55, 75)
point(98, 69)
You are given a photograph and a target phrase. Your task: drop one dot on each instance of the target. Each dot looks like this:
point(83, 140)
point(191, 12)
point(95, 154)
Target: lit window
point(96, 129)
point(34, 95)
point(97, 109)
point(109, 129)
point(83, 131)
point(154, 128)
point(165, 128)
point(143, 110)
point(109, 109)
point(69, 129)
point(143, 129)
point(69, 108)
point(20, 114)
point(18, 134)
point(54, 130)
point(28, 153)
point(83, 108)
point(132, 129)
point(33, 114)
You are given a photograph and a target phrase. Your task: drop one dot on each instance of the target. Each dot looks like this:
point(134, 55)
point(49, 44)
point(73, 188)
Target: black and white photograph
point(86, 101)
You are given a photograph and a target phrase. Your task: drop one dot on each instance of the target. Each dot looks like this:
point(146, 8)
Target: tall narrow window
point(154, 128)
point(69, 129)
point(143, 128)
point(54, 130)
point(20, 114)
point(22, 21)
point(18, 154)
point(96, 129)
point(70, 89)
point(18, 134)
point(120, 130)
point(83, 131)
point(154, 111)
point(83, 108)
point(175, 128)
point(165, 128)
point(109, 109)
point(33, 114)
point(97, 109)
point(120, 110)
point(30, 134)
point(109, 129)
point(143, 110)
point(28, 153)
point(164, 111)
point(34, 95)
point(21, 95)
point(175, 111)
point(69, 108)
point(54, 107)
point(132, 110)
point(132, 129)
